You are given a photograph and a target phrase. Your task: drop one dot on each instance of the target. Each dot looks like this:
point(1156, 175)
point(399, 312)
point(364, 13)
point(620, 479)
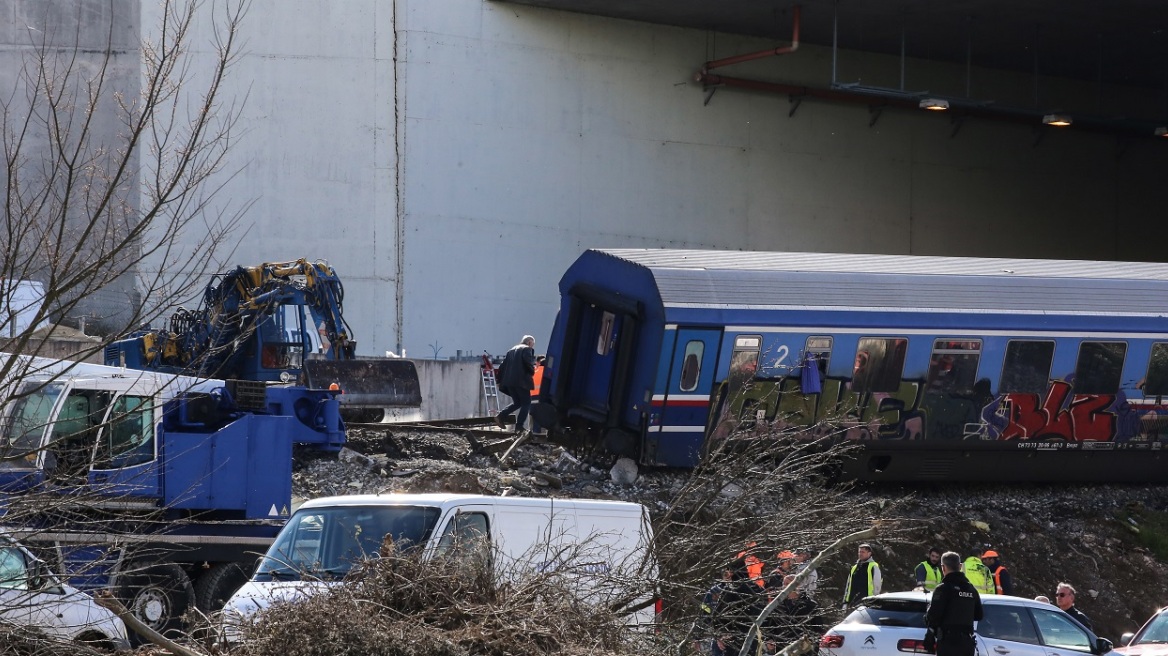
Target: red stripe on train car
point(680, 404)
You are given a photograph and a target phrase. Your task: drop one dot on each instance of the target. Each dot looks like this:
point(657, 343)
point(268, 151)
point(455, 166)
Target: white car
point(1150, 640)
point(31, 596)
point(894, 623)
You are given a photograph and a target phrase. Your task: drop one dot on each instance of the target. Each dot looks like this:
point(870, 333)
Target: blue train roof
point(745, 279)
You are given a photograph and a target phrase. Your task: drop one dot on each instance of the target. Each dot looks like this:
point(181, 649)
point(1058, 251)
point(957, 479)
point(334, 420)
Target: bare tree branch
point(107, 168)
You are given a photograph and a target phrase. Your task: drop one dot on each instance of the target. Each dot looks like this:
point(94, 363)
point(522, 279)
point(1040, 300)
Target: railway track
point(484, 426)
point(493, 439)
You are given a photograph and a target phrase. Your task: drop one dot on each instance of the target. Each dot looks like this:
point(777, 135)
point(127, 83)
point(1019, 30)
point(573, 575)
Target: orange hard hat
point(785, 555)
point(990, 554)
point(334, 387)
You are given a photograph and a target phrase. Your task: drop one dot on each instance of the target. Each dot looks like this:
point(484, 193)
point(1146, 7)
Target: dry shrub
point(24, 641)
point(756, 493)
point(401, 605)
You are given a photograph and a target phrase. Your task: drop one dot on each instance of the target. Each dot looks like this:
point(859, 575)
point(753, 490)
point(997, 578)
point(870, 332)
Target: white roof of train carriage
point(751, 279)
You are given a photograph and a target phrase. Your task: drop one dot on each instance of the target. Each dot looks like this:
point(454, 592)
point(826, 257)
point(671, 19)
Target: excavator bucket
point(375, 389)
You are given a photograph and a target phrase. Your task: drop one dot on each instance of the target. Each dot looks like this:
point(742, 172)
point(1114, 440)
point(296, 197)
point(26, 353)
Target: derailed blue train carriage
point(944, 368)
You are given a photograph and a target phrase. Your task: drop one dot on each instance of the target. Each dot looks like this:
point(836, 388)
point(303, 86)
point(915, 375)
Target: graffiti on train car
point(1061, 414)
point(916, 411)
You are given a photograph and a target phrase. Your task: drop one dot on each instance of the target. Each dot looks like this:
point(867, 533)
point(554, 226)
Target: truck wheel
point(158, 595)
point(217, 584)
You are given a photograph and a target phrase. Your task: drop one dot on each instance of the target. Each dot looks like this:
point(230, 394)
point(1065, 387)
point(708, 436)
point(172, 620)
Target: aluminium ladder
point(490, 388)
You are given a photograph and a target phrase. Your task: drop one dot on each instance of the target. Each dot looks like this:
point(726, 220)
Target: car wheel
point(96, 641)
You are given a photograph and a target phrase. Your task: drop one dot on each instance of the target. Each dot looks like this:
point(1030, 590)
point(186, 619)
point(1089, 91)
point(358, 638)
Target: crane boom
point(278, 321)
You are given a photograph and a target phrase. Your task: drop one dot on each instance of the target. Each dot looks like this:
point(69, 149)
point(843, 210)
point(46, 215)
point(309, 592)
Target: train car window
point(691, 366)
point(1027, 367)
point(744, 359)
point(604, 339)
point(1099, 368)
point(953, 366)
point(1156, 382)
point(820, 349)
point(879, 364)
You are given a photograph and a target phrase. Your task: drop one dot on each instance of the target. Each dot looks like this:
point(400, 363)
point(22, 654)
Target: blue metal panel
point(661, 373)
point(207, 470)
point(246, 466)
point(140, 481)
point(89, 567)
point(269, 476)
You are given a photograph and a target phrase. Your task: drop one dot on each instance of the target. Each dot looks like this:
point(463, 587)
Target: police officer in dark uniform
point(953, 609)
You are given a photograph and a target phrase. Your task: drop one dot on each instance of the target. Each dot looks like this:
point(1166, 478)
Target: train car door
point(595, 370)
point(592, 374)
point(679, 428)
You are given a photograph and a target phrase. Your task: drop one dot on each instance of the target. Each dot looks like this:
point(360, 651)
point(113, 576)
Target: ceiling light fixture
point(1057, 120)
point(935, 104)
point(1161, 131)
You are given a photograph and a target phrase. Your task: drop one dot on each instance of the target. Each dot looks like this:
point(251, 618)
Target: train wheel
point(217, 584)
point(158, 595)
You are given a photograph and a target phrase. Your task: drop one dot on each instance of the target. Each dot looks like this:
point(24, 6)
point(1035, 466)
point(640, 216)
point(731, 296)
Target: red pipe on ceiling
point(784, 50)
point(876, 99)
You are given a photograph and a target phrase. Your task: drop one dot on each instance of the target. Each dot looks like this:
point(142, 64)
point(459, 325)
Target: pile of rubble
point(457, 461)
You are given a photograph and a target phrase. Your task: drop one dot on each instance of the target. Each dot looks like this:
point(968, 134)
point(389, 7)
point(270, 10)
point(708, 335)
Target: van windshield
point(324, 543)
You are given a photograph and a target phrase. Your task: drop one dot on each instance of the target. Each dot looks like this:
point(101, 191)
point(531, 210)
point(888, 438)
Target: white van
point(324, 537)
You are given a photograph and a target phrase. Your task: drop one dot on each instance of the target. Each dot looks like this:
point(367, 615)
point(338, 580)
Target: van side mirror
point(41, 578)
point(1102, 646)
point(1126, 638)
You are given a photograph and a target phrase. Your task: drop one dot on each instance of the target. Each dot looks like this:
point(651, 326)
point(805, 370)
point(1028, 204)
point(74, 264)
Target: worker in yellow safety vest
point(928, 571)
point(864, 578)
point(978, 574)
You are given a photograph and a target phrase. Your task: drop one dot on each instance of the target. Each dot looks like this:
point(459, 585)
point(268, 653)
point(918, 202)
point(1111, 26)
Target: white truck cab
point(325, 537)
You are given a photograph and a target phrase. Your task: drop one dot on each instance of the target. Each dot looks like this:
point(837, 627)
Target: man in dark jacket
point(1002, 580)
point(953, 608)
point(794, 617)
point(1065, 599)
point(742, 602)
point(516, 381)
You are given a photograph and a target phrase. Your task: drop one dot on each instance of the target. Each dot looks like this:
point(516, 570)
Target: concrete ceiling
point(1122, 41)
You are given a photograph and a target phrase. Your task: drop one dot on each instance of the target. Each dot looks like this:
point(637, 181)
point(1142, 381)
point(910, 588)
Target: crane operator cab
point(287, 335)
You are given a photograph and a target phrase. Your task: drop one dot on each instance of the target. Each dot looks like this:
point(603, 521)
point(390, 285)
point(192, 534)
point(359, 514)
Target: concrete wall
point(77, 49)
point(507, 139)
point(451, 389)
